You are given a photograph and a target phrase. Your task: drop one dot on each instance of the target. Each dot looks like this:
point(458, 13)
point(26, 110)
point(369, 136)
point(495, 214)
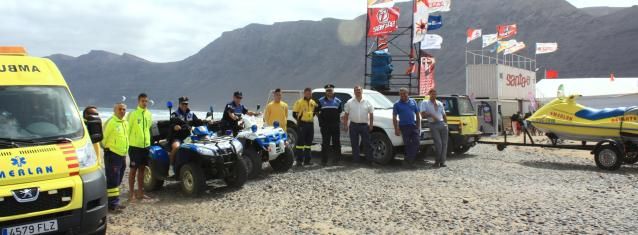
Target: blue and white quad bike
point(266, 144)
point(203, 156)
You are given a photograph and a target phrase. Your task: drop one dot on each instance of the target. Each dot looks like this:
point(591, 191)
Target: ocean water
point(157, 114)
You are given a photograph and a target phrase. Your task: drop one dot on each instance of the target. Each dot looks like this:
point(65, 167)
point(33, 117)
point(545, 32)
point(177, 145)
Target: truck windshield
point(38, 113)
point(379, 101)
point(465, 107)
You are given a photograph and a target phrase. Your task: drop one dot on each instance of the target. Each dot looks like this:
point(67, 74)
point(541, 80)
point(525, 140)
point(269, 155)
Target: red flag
point(506, 31)
point(383, 21)
point(551, 74)
point(612, 77)
point(426, 78)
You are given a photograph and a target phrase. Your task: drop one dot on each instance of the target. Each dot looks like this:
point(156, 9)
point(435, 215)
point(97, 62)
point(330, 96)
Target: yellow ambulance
point(50, 179)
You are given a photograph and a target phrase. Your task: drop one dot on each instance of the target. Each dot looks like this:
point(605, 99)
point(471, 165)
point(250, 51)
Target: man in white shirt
point(435, 112)
point(359, 118)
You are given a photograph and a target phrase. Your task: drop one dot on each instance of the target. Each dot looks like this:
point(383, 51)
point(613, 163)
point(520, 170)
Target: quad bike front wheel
point(253, 162)
point(151, 182)
point(238, 174)
point(193, 180)
point(284, 162)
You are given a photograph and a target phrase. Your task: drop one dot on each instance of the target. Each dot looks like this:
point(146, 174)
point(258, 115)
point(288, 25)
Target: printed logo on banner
point(383, 21)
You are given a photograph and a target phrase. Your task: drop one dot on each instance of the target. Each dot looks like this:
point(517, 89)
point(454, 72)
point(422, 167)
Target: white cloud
point(157, 30)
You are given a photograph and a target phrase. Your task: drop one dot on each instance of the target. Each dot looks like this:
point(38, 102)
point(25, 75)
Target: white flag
point(489, 39)
point(420, 23)
point(438, 5)
point(473, 34)
point(519, 46)
point(544, 48)
point(432, 41)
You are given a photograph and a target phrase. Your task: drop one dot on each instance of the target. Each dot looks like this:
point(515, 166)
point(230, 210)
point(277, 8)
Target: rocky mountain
point(601, 11)
point(294, 55)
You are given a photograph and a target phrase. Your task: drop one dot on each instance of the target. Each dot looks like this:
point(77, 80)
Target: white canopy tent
point(596, 92)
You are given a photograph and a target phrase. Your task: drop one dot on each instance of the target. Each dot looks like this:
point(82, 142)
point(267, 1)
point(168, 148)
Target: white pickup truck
point(384, 143)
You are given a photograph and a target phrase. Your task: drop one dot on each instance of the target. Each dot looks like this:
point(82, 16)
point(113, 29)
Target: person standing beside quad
point(407, 126)
point(276, 111)
point(116, 146)
point(329, 109)
point(435, 111)
point(181, 122)
point(360, 113)
point(304, 111)
point(232, 113)
point(139, 121)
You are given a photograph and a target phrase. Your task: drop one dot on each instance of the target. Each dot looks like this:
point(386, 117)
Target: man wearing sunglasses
point(181, 122)
point(233, 112)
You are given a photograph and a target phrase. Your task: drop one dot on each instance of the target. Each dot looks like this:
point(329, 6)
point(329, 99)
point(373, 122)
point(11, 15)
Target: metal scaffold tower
point(404, 54)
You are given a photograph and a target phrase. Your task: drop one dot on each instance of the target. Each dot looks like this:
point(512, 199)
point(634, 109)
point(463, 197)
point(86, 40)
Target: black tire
point(631, 158)
point(500, 147)
point(461, 149)
point(193, 180)
point(253, 162)
point(151, 182)
point(608, 157)
point(292, 136)
point(382, 149)
point(284, 162)
point(238, 174)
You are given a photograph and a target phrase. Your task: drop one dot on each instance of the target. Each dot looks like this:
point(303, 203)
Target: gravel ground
point(484, 191)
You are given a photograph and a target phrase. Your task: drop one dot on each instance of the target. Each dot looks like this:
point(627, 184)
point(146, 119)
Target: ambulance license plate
point(34, 228)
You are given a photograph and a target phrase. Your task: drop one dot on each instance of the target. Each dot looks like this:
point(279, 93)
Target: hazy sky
point(161, 30)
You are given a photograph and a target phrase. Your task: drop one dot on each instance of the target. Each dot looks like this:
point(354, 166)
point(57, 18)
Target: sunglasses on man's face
point(329, 91)
point(238, 97)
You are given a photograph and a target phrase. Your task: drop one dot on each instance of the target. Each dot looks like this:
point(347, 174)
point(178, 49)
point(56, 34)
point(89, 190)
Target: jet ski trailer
point(609, 153)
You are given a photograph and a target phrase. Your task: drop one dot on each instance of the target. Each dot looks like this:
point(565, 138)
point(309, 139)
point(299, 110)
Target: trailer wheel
point(608, 157)
point(631, 158)
point(500, 147)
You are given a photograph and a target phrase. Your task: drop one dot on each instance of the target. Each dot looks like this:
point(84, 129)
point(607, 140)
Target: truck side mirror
point(94, 126)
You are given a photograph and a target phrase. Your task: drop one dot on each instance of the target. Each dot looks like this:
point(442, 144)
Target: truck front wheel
point(382, 149)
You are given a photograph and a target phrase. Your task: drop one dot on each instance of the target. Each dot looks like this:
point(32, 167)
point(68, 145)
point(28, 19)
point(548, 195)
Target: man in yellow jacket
point(304, 112)
point(139, 136)
point(115, 145)
point(276, 110)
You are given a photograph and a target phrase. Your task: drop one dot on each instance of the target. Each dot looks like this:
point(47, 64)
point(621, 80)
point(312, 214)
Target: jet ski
point(563, 118)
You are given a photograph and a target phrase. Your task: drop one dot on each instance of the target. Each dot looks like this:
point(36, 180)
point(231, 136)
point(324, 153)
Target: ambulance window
point(38, 113)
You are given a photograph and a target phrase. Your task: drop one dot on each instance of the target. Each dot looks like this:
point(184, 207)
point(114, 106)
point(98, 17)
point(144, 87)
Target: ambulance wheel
point(193, 181)
point(500, 147)
point(631, 158)
point(151, 182)
point(608, 157)
point(253, 162)
point(284, 162)
point(238, 174)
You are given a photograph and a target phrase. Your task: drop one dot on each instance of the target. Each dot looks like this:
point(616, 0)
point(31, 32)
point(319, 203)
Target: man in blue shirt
point(407, 126)
point(435, 112)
